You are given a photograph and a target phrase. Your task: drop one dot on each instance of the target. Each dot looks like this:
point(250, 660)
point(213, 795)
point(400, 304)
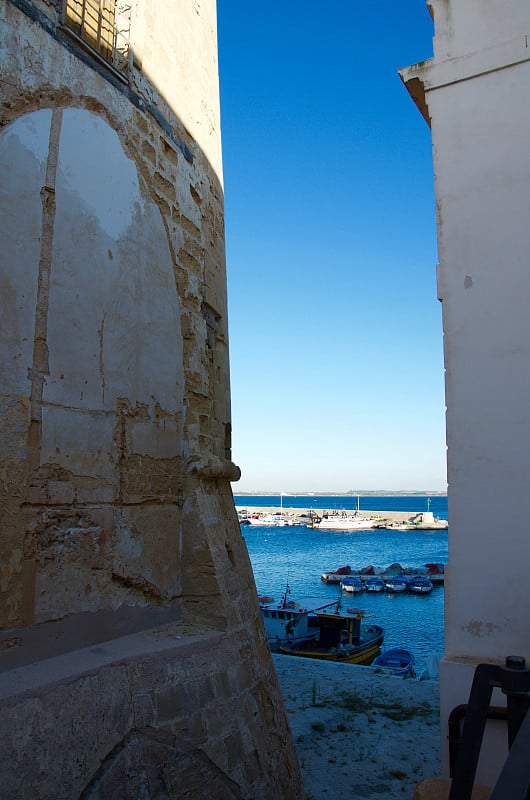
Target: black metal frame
point(514, 780)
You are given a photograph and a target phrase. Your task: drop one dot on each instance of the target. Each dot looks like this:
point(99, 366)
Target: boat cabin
point(336, 630)
point(291, 621)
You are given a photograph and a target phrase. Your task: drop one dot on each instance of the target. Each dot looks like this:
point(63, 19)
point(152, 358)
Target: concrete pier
point(301, 514)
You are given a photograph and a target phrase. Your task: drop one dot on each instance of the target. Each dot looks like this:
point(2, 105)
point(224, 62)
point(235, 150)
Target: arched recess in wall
point(91, 343)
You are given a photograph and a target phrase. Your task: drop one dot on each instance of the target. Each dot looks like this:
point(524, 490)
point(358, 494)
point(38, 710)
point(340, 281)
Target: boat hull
point(363, 653)
point(345, 523)
point(396, 586)
point(352, 584)
point(374, 585)
point(396, 661)
point(267, 521)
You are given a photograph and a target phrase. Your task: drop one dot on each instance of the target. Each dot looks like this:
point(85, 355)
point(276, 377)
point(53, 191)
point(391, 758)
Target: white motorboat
point(270, 520)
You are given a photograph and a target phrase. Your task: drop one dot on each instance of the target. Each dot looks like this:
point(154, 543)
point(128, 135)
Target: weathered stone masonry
point(131, 646)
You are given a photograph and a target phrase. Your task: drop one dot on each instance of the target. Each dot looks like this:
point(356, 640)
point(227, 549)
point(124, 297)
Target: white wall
point(477, 90)
point(466, 26)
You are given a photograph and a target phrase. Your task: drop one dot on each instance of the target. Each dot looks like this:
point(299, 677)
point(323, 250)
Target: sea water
point(297, 555)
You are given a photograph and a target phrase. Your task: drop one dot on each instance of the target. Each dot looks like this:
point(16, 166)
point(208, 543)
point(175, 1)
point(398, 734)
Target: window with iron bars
point(104, 25)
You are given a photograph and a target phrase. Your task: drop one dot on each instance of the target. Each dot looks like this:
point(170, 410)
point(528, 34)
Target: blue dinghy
point(396, 661)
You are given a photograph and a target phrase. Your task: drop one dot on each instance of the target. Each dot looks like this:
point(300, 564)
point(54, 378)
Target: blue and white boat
point(374, 584)
point(396, 661)
point(396, 584)
point(419, 584)
point(351, 584)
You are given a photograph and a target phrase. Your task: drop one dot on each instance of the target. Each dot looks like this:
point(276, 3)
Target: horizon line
point(338, 493)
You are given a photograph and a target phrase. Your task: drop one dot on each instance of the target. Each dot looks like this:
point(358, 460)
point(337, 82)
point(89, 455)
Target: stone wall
point(116, 508)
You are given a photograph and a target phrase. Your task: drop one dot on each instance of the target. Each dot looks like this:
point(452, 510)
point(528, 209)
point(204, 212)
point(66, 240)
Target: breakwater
point(405, 504)
point(295, 513)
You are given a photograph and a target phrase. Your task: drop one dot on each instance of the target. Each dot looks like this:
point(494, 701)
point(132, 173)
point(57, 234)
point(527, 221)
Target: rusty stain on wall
point(480, 629)
point(40, 367)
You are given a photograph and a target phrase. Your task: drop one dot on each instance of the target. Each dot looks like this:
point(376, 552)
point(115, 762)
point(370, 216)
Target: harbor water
point(298, 555)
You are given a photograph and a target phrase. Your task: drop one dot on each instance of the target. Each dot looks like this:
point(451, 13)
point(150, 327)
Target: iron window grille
point(104, 26)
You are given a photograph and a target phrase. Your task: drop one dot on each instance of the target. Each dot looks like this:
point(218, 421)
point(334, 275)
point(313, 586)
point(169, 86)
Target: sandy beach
point(360, 734)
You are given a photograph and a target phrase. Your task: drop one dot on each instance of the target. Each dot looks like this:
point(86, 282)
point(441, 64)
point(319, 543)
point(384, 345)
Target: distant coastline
point(351, 493)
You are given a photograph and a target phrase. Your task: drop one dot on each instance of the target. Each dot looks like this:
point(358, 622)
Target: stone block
point(59, 493)
point(173, 702)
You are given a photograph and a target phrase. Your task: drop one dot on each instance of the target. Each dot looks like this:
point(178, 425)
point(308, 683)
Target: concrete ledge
point(175, 640)
point(21, 646)
point(111, 715)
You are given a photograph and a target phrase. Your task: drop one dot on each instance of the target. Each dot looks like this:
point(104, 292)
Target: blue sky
point(335, 329)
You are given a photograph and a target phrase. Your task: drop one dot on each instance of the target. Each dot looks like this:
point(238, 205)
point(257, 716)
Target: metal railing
point(103, 25)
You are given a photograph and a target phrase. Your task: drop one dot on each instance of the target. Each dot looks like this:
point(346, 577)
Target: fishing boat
point(420, 584)
point(288, 621)
point(352, 584)
point(396, 661)
point(340, 637)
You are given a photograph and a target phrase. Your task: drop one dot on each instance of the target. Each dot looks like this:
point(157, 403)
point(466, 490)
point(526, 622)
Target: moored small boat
point(374, 584)
point(352, 584)
point(396, 584)
point(269, 520)
point(396, 661)
point(434, 572)
point(419, 584)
